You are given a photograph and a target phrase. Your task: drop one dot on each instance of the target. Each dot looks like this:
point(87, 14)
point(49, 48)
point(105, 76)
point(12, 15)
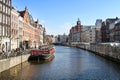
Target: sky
point(58, 16)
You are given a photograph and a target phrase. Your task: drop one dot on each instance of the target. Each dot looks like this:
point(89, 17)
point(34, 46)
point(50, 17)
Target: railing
point(106, 49)
point(13, 53)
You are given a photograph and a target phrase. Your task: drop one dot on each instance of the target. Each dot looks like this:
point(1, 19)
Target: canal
point(68, 64)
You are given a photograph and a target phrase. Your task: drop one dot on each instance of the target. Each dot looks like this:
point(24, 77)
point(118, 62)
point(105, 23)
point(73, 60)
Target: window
point(4, 8)
point(3, 30)
point(4, 1)
point(6, 20)
point(0, 30)
point(0, 17)
point(3, 18)
point(6, 11)
point(9, 2)
point(0, 7)
point(6, 31)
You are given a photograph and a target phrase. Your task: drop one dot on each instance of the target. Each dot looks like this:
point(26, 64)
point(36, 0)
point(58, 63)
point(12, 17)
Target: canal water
point(68, 64)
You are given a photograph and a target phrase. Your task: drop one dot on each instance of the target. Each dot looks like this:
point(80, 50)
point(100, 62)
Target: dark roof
point(21, 13)
point(111, 20)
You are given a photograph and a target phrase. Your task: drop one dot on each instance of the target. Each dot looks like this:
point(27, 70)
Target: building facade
point(61, 39)
point(21, 25)
point(75, 32)
point(88, 34)
point(98, 25)
point(49, 39)
point(30, 30)
point(14, 29)
point(5, 19)
point(117, 31)
point(83, 33)
point(107, 30)
point(42, 32)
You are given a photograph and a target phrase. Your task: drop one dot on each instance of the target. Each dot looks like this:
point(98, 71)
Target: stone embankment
point(8, 63)
point(108, 50)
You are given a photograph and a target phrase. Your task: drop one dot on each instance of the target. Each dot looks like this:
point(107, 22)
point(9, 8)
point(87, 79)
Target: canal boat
point(43, 53)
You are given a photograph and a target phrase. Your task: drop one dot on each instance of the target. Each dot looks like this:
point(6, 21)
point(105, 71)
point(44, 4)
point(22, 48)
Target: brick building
point(30, 29)
point(75, 32)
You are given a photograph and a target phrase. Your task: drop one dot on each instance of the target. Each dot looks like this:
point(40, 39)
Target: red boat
point(43, 53)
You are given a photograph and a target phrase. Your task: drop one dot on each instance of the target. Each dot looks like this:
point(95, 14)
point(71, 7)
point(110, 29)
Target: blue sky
point(59, 15)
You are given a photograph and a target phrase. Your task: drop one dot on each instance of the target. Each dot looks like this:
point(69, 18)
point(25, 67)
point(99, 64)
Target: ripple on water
point(68, 64)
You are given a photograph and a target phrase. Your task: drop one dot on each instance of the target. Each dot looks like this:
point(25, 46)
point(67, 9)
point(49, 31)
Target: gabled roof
point(21, 13)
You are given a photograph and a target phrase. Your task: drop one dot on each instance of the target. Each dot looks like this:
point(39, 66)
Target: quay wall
point(105, 50)
point(8, 63)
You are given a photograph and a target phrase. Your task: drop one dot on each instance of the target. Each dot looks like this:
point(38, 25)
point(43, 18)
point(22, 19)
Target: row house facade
point(14, 29)
point(98, 25)
point(5, 17)
point(88, 34)
point(49, 39)
point(117, 31)
point(42, 33)
point(61, 38)
point(75, 32)
point(108, 30)
point(25, 32)
point(20, 25)
point(83, 33)
point(30, 29)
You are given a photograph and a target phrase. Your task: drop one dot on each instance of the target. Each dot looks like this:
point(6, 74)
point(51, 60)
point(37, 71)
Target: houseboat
point(43, 53)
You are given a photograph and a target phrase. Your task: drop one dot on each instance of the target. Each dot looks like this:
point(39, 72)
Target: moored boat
point(43, 53)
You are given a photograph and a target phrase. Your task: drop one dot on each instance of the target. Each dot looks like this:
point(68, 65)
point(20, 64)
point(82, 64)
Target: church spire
point(78, 22)
point(26, 8)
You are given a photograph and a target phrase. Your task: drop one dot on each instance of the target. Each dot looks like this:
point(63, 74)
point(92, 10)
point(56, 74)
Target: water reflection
point(12, 73)
point(68, 64)
point(38, 62)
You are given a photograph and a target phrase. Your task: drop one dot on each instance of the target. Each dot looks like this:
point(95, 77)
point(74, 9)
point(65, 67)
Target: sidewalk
point(13, 53)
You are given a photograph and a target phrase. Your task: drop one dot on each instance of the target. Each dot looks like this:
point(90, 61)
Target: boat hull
point(40, 57)
point(37, 55)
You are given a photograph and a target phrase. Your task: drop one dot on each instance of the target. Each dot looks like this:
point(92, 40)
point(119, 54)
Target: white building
point(42, 30)
point(61, 38)
point(5, 8)
point(21, 24)
point(88, 34)
point(14, 29)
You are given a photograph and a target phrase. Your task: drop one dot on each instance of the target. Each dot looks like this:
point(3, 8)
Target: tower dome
point(78, 22)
